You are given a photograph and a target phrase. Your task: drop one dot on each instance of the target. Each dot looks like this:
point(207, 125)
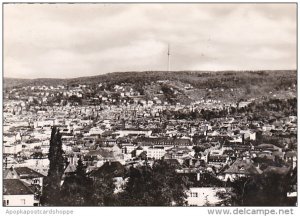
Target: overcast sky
point(74, 40)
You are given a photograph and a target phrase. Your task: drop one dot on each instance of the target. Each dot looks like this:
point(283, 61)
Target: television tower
point(169, 58)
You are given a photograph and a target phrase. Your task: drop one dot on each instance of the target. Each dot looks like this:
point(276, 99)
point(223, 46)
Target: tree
point(75, 99)
point(198, 150)
point(56, 169)
point(37, 155)
point(240, 189)
point(103, 191)
point(272, 184)
point(77, 189)
point(260, 190)
point(156, 186)
point(80, 171)
point(81, 190)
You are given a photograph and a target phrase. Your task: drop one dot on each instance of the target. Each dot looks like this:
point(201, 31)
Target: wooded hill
point(205, 84)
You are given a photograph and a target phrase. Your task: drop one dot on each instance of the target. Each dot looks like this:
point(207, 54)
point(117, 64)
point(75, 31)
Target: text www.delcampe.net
point(250, 211)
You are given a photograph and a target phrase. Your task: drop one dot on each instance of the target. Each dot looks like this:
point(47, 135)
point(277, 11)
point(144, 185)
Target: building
point(179, 152)
point(204, 196)
point(124, 133)
point(25, 174)
point(114, 169)
point(12, 149)
point(16, 193)
point(240, 168)
point(156, 152)
point(147, 141)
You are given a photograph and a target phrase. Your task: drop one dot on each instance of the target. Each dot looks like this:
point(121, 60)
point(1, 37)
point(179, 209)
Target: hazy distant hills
point(205, 84)
point(14, 82)
point(194, 77)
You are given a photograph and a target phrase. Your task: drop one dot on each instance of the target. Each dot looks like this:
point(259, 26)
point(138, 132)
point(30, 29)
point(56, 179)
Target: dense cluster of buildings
point(129, 132)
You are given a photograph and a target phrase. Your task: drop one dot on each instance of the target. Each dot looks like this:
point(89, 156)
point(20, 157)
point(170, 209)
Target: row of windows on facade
point(194, 194)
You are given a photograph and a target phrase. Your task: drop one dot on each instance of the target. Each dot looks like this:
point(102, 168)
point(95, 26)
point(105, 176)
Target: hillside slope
point(186, 86)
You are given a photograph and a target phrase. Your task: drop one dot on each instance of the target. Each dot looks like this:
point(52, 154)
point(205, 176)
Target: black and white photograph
point(149, 104)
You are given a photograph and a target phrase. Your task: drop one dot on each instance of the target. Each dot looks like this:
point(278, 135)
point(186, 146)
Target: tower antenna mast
point(169, 58)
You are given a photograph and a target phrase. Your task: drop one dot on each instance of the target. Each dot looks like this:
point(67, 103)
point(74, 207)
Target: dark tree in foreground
point(268, 189)
point(77, 189)
point(156, 186)
point(81, 190)
point(56, 169)
point(80, 171)
point(272, 191)
point(103, 192)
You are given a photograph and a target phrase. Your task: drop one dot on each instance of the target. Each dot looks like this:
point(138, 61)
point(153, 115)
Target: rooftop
point(15, 187)
point(241, 166)
point(27, 172)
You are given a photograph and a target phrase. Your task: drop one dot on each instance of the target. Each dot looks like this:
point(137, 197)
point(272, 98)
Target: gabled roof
point(173, 162)
point(115, 168)
point(71, 168)
point(26, 172)
point(179, 148)
point(15, 187)
point(242, 167)
point(100, 152)
point(9, 173)
point(206, 180)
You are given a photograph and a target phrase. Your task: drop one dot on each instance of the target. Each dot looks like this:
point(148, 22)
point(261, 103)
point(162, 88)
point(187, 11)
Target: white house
point(14, 148)
point(248, 134)
point(123, 133)
point(156, 152)
point(204, 196)
point(16, 193)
